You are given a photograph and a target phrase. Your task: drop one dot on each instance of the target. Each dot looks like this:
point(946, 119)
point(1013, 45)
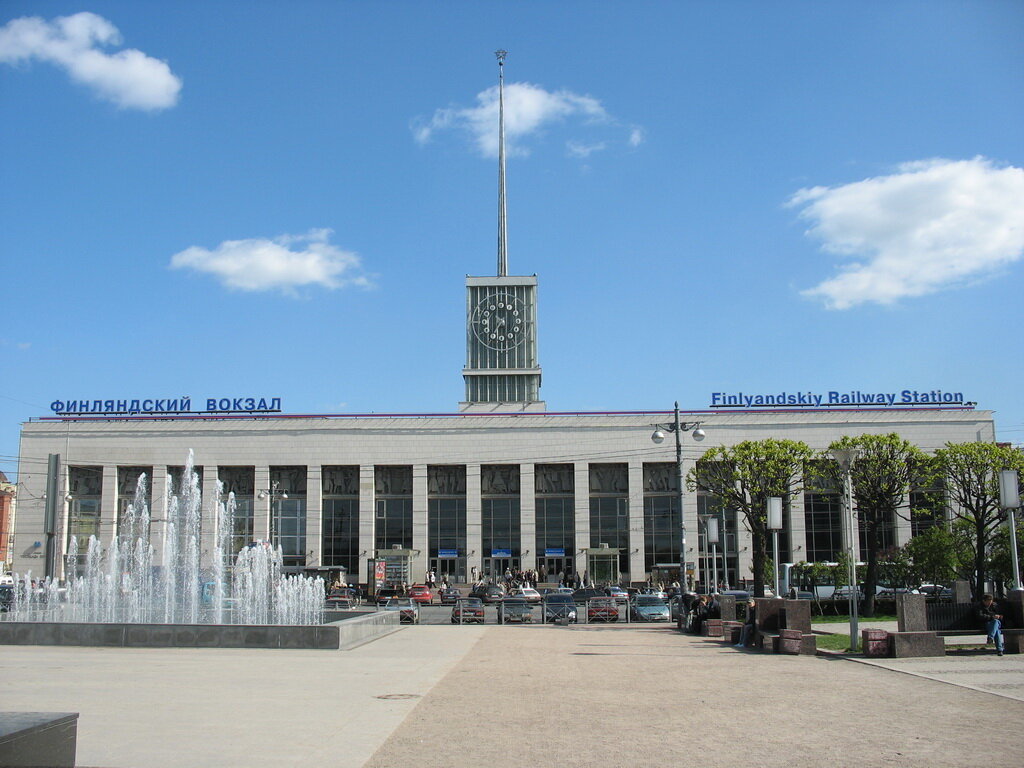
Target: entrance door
point(451, 568)
point(495, 567)
point(554, 566)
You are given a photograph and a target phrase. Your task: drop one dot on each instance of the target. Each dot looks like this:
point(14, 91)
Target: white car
point(527, 593)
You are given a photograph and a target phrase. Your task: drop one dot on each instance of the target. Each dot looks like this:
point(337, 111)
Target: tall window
point(499, 518)
point(662, 530)
point(85, 484)
point(240, 481)
point(132, 526)
point(340, 544)
point(446, 521)
point(394, 507)
point(609, 509)
point(554, 486)
point(823, 517)
point(927, 506)
point(288, 515)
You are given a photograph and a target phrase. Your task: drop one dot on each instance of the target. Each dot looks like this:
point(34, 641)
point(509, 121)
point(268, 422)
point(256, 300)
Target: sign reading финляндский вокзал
point(833, 398)
point(165, 405)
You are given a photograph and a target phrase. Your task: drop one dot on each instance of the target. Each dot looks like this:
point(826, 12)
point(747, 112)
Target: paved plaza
point(541, 695)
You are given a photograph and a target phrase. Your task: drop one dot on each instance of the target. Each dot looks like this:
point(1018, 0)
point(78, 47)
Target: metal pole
point(679, 500)
point(775, 561)
point(1013, 548)
point(714, 564)
point(853, 560)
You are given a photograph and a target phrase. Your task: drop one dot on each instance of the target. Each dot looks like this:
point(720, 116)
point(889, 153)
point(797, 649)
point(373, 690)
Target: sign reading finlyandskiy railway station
point(907, 397)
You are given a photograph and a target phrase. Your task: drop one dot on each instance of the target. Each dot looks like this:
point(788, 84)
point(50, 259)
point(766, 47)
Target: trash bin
point(875, 642)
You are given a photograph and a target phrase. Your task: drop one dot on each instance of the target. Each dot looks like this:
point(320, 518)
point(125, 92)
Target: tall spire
point(502, 223)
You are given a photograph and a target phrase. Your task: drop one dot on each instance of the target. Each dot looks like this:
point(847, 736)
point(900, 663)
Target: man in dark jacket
point(989, 615)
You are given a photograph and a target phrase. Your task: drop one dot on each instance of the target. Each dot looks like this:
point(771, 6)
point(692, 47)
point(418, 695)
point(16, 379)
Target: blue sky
point(283, 199)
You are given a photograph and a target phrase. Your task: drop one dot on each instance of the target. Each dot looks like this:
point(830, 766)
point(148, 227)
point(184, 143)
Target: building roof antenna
point(502, 222)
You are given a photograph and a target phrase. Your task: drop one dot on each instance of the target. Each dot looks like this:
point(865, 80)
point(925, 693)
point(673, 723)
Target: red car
point(602, 609)
point(468, 610)
point(421, 594)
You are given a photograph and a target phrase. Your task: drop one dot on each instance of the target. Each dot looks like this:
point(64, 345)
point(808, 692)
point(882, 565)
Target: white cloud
point(528, 109)
point(931, 225)
point(286, 263)
point(128, 78)
point(579, 149)
point(637, 136)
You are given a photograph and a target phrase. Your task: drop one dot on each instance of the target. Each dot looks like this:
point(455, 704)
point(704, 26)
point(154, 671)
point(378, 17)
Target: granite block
point(911, 644)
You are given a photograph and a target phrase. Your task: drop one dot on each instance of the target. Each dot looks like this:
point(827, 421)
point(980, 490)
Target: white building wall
point(470, 440)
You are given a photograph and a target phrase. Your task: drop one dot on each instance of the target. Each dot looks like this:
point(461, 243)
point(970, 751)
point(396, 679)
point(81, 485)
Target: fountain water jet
point(122, 585)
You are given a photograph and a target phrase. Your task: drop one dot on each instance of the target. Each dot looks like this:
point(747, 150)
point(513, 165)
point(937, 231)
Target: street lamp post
point(846, 457)
point(678, 427)
point(775, 525)
point(1009, 499)
point(712, 531)
point(274, 492)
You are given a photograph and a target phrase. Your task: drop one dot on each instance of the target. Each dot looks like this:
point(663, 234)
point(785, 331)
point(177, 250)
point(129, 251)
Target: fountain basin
point(347, 631)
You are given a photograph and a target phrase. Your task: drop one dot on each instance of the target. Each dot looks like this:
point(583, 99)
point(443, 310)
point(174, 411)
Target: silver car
point(649, 608)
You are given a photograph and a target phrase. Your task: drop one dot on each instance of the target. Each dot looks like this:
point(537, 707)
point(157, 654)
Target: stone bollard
point(875, 642)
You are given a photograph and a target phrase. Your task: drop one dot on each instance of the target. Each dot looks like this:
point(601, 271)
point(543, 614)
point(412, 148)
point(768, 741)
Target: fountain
point(118, 596)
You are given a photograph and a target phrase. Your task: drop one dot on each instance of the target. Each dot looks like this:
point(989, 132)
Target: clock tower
point(502, 372)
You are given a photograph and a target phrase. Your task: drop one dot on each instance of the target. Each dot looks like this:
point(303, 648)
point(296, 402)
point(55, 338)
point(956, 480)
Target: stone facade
point(472, 441)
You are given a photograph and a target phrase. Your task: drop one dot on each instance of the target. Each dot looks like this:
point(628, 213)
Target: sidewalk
point(522, 695)
point(585, 696)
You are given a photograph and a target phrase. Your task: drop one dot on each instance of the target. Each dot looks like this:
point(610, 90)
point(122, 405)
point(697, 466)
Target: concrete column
point(419, 524)
point(261, 507)
point(902, 529)
point(474, 531)
point(367, 520)
point(158, 514)
point(581, 471)
point(690, 517)
point(210, 513)
point(528, 518)
point(314, 516)
point(637, 541)
point(108, 513)
point(797, 528)
point(745, 542)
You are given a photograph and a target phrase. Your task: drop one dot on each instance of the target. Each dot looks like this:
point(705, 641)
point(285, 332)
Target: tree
point(744, 476)
point(971, 473)
point(933, 556)
point(881, 478)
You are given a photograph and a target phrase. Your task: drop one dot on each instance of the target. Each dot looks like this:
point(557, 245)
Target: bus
point(824, 586)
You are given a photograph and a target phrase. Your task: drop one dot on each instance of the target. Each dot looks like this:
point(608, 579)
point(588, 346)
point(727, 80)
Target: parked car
point(529, 594)
point(342, 598)
point(408, 609)
point(843, 593)
point(384, 594)
point(489, 594)
point(889, 593)
point(649, 608)
point(6, 597)
point(421, 594)
point(936, 592)
point(583, 595)
point(559, 607)
point(450, 596)
point(620, 595)
point(468, 610)
point(515, 609)
point(602, 609)
point(655, 593)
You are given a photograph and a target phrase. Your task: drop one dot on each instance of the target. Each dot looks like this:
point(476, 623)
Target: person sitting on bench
point(748, 626)
point(988, 614)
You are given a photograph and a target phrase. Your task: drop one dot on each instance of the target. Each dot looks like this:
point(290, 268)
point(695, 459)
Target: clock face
point(499, 320)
